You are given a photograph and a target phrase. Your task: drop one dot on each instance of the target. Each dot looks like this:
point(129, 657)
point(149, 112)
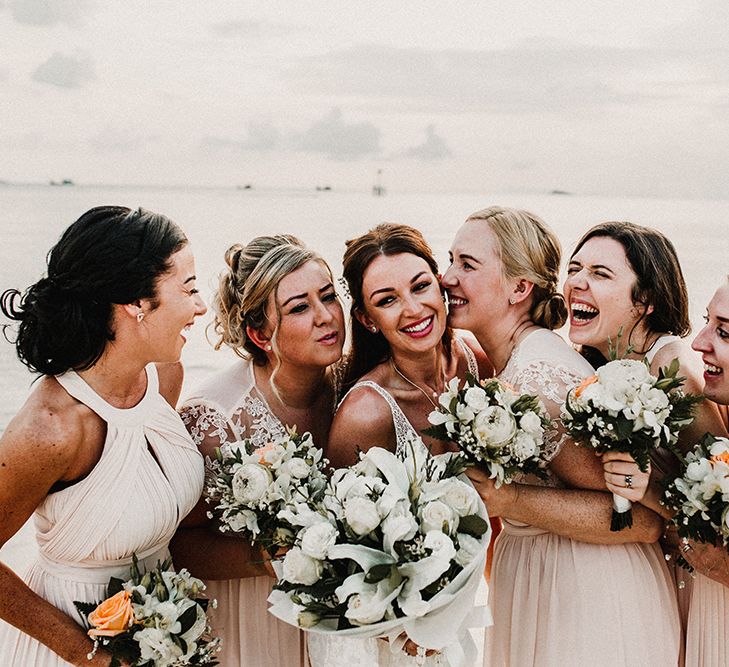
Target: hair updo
point(529, 249)
point(110, 255)
point(253, 274)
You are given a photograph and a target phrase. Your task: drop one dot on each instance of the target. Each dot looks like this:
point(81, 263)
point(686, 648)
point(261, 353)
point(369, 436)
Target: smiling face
point(402, 298)
point(713, 344)
point(310, 329)
point(178, 304)
point(477, 292)
point(598, 291)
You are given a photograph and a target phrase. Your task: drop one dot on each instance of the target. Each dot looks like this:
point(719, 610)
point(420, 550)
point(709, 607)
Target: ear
point(259, 338)
point(522, 289)
point(134, 310)
point(365, 320)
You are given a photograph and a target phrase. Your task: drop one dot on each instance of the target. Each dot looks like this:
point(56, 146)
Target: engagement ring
point(629, 481)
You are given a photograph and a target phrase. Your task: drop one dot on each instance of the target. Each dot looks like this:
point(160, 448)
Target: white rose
point(440, 544)
point(524, 446)
point(698, 470)
point(251, 482)
point(434, 515)
point(494, 426)
point(298, 568)
point(316, 540)
point(397, 527)
point(156, 647)
point(365, 608)
point(721, 446)
point(459, 496)
point(476, 399)
point(531, 423)
point(361, 514)
point(297, 468)
point(468, 548)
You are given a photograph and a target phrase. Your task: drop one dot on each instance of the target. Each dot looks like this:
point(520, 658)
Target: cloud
point(527, 78)
point(49, 12)
point(433, 148)
point(262, 137)
point(338, 140)
point(65, 71)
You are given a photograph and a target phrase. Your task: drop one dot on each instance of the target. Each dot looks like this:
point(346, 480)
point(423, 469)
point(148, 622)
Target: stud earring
point(512, 300)
point(140, 315)
point(269, 348)
point(373, 329)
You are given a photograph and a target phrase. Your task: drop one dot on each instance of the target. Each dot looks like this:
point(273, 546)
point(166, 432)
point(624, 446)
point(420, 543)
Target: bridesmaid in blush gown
point(97, 453)
point(624, 277)
point(564, 589)
point(277, 308)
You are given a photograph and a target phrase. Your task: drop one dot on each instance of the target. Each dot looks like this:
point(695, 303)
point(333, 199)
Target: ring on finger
point(685, 547)
point(628, 481)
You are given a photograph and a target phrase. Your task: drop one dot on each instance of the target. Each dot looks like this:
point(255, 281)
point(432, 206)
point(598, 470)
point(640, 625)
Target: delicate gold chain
point(418, 387)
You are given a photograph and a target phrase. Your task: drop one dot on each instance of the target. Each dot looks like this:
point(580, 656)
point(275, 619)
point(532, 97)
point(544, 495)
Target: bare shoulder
point(485, 367)
point(689, 362)
point(171, 377)
point(363, 420)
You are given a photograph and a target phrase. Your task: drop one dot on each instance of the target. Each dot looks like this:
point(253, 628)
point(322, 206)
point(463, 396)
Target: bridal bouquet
point(493, 425)
point(250, 485)
point(396, 546)
point(624, 408)
point(154, 620)
point(701, 495)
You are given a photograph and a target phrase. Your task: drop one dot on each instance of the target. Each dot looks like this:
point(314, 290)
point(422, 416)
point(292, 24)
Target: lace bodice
point(229, 407)
point(545, 365)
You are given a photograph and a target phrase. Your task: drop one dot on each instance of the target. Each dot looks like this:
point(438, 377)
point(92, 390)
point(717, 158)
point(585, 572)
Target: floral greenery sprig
point(250, 486)
point(392, 540)
point(155, 619)
point(700, 495)
point(624, 408)
point(494, 426)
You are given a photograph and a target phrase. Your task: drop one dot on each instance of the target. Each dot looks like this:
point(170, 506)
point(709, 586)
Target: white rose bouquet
point(397, 547)
point(251, 487)
point(700, 495)
point(153, 620)
point(494, 426)
point(624, 408)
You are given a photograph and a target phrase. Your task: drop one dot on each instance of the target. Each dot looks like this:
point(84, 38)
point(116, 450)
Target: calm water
point(32, 218)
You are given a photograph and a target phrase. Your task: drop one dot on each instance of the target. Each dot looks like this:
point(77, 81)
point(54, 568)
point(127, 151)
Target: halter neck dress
point(149, 476)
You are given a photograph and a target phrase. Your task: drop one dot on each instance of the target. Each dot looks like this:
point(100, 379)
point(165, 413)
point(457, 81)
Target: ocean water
point(33, 217)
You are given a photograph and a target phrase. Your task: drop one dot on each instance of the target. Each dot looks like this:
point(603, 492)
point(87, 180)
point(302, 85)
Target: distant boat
point(560, 192)
point(323, 188)
point(65, 181)
point(247, 186)
point(378, 189)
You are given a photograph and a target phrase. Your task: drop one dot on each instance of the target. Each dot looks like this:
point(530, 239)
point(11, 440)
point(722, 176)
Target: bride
point(403, 353)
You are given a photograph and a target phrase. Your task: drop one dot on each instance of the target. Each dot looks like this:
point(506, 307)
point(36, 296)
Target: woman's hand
point(623, 476)
point(497, 501)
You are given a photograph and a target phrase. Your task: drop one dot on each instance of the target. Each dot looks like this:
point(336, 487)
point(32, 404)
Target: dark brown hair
point(370, 349)
point(660, 281)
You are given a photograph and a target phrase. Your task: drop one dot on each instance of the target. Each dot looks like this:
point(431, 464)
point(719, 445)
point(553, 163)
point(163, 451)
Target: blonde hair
point(529, 249)
point(253, 274)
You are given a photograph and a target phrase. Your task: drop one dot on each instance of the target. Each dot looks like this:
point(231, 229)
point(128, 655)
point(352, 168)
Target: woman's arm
point(362, 421)
point(39, 447)
point(198, 544)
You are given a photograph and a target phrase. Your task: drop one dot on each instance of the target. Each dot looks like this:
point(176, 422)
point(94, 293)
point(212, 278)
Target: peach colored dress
point(225, 408)
point(148, 478)
point(707, 631)
point(559, 602)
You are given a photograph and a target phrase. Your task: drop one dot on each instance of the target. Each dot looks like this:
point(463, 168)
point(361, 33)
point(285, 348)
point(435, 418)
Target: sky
point(614, 98)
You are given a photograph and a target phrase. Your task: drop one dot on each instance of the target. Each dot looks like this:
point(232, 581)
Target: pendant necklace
point(418, 387)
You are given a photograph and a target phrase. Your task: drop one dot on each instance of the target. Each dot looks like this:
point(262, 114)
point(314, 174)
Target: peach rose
point(112, 617)
point(724, 456)
point(585, 384)
point(262, 451)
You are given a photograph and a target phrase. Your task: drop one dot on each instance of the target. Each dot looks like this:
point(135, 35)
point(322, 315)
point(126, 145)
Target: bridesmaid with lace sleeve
point(97, 454)
point(276, 307)
point(564, 589)
point(403, 353)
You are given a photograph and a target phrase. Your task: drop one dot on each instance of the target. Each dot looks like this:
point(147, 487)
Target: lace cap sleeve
point(550, 382)
point(207, 426)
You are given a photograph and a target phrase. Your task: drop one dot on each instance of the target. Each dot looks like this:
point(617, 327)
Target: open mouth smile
point(420, 329)
point(582, 313)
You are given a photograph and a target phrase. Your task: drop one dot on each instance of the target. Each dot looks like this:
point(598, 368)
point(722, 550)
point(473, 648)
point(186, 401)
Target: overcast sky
point(619, 97)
